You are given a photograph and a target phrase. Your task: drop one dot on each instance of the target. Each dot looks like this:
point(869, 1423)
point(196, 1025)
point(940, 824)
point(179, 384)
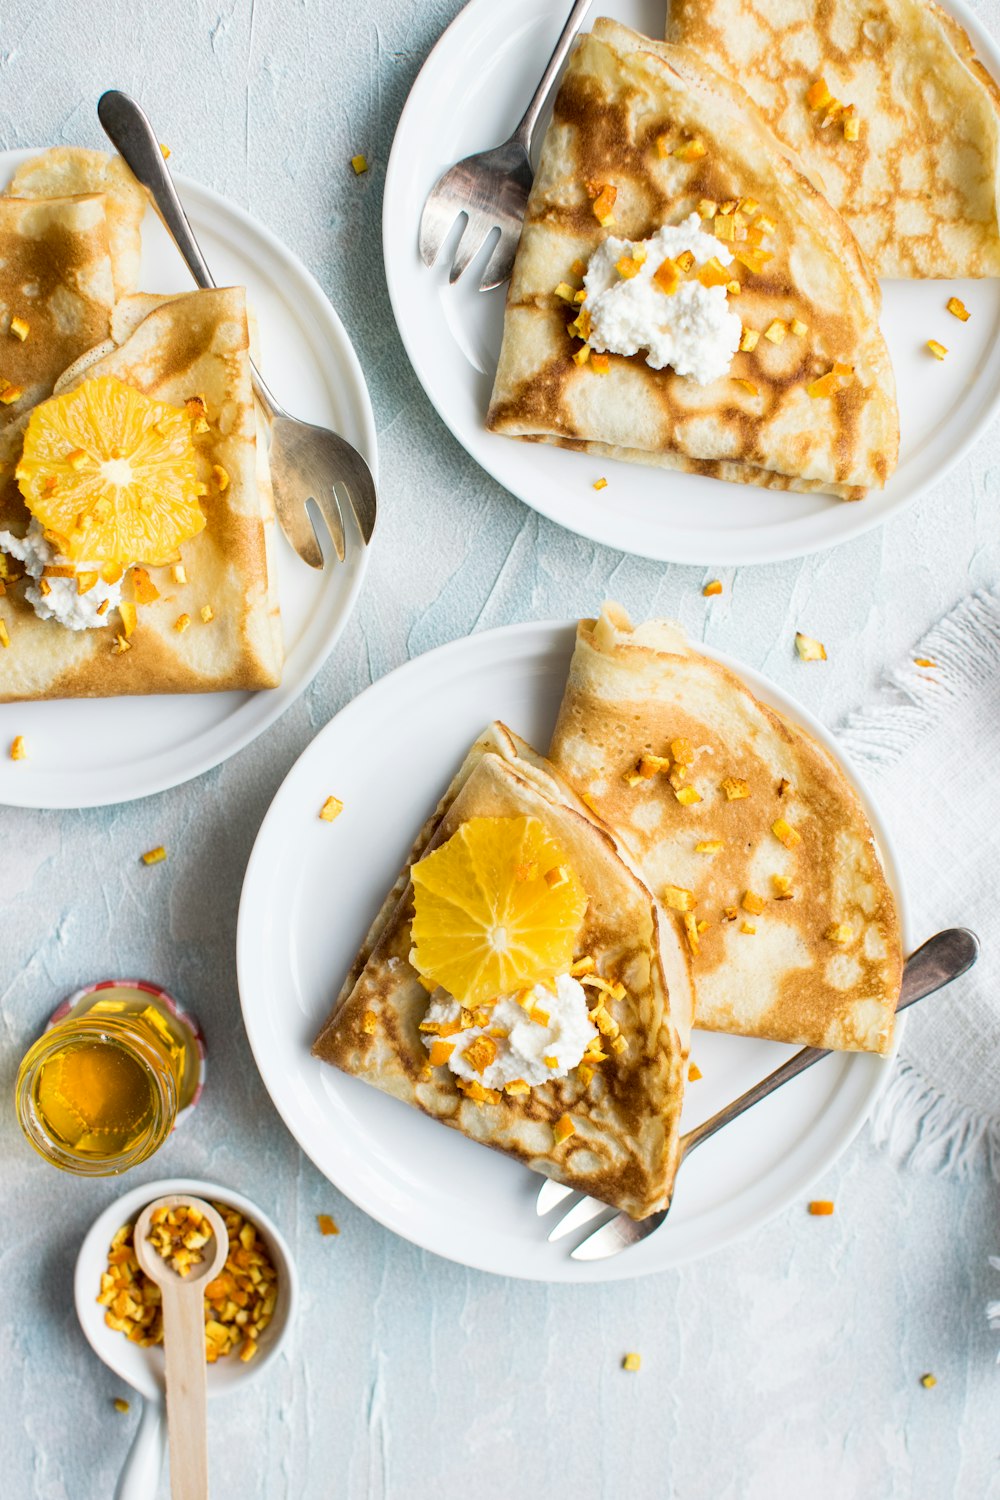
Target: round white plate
point(89, 753)
point(310, 892)
point(468, 96)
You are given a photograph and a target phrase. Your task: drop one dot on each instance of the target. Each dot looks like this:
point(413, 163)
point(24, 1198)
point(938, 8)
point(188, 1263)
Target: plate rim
point(353, 383)
point(396, 234)
point(250, 933)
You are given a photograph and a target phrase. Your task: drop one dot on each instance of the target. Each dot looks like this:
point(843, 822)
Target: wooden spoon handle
point(184, 1347)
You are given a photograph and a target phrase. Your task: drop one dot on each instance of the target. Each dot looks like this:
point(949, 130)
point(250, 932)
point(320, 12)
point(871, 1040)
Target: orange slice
point(486, 918)
point(125, 475)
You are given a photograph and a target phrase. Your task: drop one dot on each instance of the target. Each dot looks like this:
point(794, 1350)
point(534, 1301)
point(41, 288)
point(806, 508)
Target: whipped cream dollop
point(64, 602)
point(693, 330)
point(520, 1054)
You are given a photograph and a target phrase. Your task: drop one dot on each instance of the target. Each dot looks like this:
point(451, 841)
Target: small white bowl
point(143, 1368)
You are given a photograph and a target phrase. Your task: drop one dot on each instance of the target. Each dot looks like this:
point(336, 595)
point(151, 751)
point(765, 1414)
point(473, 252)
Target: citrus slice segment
point(496, 909)
point(112, 473)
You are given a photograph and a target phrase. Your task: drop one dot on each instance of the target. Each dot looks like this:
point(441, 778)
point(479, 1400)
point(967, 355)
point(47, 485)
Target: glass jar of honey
point(106, 1083)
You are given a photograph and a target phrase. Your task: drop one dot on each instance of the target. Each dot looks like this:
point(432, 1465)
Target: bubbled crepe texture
point(620, 94)
point(919, 188)
point(632, 691)
point(63, 260)
point(624, 1149)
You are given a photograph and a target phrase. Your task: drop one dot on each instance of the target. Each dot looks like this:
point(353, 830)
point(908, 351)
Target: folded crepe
point(66, 171)
point(626, 105)
point(742, 824)
point(624, 1145)
point(918, 186)
point(56, 282)
point(173, 348)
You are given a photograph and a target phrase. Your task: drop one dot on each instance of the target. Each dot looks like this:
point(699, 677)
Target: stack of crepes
point(70, 251)
point(817, 146)
point(726, 867)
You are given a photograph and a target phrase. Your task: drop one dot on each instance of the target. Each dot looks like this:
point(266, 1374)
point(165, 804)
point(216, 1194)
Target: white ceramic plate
point(310, 891)
point(469, 96)
point(89, 753)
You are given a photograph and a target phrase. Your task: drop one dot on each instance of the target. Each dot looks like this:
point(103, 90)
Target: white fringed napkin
point(929, 747)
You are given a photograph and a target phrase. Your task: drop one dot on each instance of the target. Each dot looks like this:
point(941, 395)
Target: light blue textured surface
point(786, 1366)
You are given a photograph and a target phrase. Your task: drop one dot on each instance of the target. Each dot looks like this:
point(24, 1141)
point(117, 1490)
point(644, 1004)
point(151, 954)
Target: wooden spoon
point(184, 1343)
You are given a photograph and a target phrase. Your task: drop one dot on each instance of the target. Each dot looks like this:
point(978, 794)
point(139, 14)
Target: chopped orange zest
point(181, 623)
point(600, 364)
point(923, 661)
point(753, 903)
point(709, 846)
point(938, 350)
point(753, 258)
point(128, 617)
point(682, 750)
point(121, 645)
point(565, 292)
point(824, 385)
point(628, 266)
point(852, 124)
point(694, 1073)
point(481, 1053)
point(556, 877)
point(332, 808)
point(821, 1207)
point(677, 898)
point(143, 586)
point(782, 887)
point(666, 278)
point(798, 327)
point(775, 331)
point(563, 1129)
point(749, 340)
point(706, 209)
point(713, 273)
point(632, 1362)
point(369, 1023)
point(747, 385)
point(600, 484)
point(326, 1225)
point(120, 1404)
point(154, 856)
point(724, 228)
point(85, 582)
point(685, 260)
point(10, 393)
point(4, 635)
point(748, 928)
point(809, 649)
point(17, 748)
point(928, 1381)
point(585, 965)
point(19, 328)
point(360, 164)
point(958, 309)
point(582, 355)
point(539, 1016)
point(440, 1053)
point(691, 150)
point(207, 613)
point(604, 203)
point(785, 833)
point(710, 589)
point(687, 796)
point(518, 1086)
point(839, 932)
point(691, 932)
point(735, 788)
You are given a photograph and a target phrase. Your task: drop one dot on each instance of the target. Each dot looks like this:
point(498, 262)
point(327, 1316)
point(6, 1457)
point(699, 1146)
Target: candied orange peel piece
point(821, 1207)
point(958, 309)
point(154, 856)
point(18, 749)
point(563, 1129)
point(808, 648)
point(785, 833)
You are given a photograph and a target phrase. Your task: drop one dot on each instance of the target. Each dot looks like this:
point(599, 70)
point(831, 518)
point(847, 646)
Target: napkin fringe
point(965, 650)
point(922, 1128)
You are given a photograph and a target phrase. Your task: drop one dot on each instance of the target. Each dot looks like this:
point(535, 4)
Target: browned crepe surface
point(632, 692)
point(625, 1143)
point(620, 95)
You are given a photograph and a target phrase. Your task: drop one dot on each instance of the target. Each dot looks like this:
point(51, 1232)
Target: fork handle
point(942, 958)
point(529, 119)
point(127, 127)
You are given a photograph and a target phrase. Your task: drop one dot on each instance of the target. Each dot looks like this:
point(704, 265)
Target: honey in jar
point(103, 1087)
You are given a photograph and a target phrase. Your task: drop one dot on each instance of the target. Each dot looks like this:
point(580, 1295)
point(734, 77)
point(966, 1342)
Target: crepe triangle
point(919, 185)
point(626, 105)
point(624, 1146)
point(775, 854)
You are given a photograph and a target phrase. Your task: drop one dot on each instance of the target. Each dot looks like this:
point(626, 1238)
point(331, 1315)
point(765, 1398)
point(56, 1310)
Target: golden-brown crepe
point(55, 277)
point(624, 102)
point(624, 1146)
point(813, 954)
point(65, 171)
point(172, 348)
point(919, 185)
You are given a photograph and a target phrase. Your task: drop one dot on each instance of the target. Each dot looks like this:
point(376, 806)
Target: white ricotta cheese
point(694, 330)
point(522, 1052)
point(63, 603)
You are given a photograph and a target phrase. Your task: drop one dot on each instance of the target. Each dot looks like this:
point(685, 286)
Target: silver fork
point(941, 959)
point(491, 188)
point(307, 462)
